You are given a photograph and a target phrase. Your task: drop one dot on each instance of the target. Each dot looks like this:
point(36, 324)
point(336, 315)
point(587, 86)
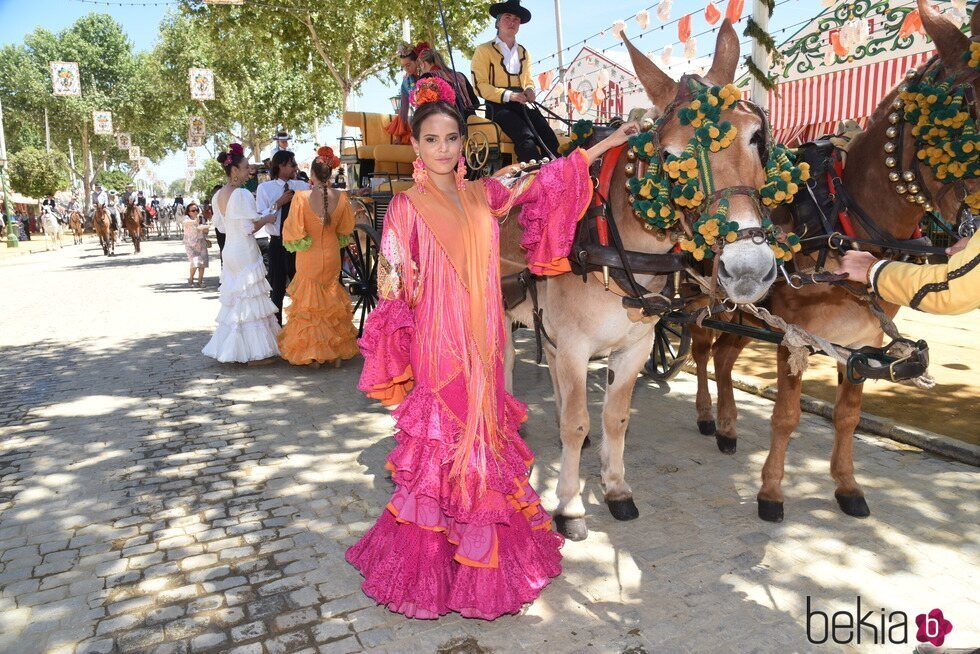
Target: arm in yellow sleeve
point(949, 288)
point(480, 67)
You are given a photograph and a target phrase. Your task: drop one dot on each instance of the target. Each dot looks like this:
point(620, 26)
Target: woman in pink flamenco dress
point(464, 531)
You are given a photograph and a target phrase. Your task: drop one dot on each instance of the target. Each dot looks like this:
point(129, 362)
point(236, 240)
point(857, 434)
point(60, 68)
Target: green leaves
point(35, 173)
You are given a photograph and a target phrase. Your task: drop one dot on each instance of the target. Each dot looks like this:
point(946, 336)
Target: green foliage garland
point(582, 131)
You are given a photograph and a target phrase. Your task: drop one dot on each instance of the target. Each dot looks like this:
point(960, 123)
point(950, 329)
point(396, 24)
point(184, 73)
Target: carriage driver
point(502, 77)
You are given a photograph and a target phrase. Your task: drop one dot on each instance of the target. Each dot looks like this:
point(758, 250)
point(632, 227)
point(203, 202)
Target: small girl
point(195, 243)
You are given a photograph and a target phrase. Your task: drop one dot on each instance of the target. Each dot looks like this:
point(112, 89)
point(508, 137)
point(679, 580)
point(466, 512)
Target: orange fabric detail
point(558, 266)
point(494, 557)
point(734, 10)
point(394, 391)
point(912, 23)
point(711, 13)
point(684, 28)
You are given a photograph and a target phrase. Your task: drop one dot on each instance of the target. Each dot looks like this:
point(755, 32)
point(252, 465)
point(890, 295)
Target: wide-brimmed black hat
point(510, 7)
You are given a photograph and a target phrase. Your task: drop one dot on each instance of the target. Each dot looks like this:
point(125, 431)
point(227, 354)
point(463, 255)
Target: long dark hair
point(234, 155)
point(280, 158)
point(432, 109)
point(321, 168)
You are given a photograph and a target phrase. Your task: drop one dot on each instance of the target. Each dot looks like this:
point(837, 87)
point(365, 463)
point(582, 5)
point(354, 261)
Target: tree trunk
point(345, 96)
point(88, 177)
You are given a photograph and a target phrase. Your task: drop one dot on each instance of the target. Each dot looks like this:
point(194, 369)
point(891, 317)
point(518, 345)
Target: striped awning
point(805, 109)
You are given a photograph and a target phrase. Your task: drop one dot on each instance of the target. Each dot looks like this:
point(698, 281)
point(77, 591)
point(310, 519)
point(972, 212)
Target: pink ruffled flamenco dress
point(464, 531)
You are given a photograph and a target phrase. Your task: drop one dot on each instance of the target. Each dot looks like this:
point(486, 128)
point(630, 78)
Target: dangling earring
point(420, 174)
point(461, 172)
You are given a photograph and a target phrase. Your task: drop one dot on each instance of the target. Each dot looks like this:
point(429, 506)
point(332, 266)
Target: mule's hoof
point(770, 511)
point(571, 528)
point(725, 444)
point(706, 427)
point(853, 505)
point(623, 509)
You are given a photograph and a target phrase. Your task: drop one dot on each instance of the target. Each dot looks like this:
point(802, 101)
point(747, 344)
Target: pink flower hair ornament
point(432, 89)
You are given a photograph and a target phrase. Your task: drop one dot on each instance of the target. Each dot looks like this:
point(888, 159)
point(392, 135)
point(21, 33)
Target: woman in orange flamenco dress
point(319, 321)
point(464, 530)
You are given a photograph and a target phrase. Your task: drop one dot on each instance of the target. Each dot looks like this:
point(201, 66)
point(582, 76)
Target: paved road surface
point(154, 501)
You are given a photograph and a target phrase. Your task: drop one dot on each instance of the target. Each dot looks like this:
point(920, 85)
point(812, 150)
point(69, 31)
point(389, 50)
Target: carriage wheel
point(359, 271)
point(477, 150)
point(671, 349)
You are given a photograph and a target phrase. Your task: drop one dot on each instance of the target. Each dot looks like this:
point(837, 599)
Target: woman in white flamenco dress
point(246, 324)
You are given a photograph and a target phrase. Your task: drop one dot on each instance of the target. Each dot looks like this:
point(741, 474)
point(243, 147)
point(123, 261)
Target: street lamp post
point(12, 240)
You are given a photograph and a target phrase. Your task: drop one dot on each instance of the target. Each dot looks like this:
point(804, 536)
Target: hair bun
point(222, 157)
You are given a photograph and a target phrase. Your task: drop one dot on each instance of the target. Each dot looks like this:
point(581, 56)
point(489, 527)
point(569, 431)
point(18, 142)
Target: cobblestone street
point(152, 500)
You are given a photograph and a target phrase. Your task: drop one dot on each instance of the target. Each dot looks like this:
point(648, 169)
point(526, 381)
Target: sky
point(581, 19)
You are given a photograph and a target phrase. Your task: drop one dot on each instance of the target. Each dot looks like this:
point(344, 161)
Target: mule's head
point(746, 267)
point(917, 135)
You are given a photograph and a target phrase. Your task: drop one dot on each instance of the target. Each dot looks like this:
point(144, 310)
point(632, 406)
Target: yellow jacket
point(949, 288)
point(490, 77)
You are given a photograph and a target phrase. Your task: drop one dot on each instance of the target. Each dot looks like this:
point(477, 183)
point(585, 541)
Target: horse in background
point(133, 224)
point(877, 183)
point(52, 230)
point(105, 229)
point(75, 225)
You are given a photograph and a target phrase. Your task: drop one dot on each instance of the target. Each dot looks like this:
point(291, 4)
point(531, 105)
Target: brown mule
point(829, 311)
point(75, 225)
point(585, 321)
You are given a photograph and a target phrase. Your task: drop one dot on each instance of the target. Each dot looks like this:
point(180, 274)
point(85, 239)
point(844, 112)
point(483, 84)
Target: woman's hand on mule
point(619, 137)
point(857, 265)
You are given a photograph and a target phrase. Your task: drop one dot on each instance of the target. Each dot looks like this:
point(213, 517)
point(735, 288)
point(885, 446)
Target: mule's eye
point(759, 141)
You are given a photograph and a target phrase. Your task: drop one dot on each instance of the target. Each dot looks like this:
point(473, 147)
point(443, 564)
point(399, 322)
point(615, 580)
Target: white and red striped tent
point(805, 109)
point(830, 89)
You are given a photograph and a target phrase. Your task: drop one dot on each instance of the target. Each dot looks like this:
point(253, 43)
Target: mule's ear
point(660, 88)
point(723, 66)
point(950, 42)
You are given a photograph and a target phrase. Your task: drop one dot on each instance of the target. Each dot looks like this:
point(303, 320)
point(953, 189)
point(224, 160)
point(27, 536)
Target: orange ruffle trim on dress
point(319, 324)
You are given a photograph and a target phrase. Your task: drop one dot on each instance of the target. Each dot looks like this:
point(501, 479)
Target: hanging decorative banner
point(545, 79)
point(202, 83)
point(663, 10)
point(191, 158)
point(194, 141)
point(691, 48)
point(196, 127)
point(135, 154)
point(102, 121)
point(684, 29)
point(123, 141)
point(618, 28)
point(643, 18)
point(224, 2)
point(734, 10)
point(598, 96)
point(711, 13)
point(666, 55)
point(838, 47)
point(65, 79)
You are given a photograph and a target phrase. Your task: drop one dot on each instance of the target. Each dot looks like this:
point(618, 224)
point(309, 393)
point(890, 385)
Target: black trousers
point(514, 119)
point(282, 268)
point(221, 241)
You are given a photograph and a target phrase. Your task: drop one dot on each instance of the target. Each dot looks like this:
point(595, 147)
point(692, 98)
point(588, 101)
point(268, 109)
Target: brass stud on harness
point(927, 206)
point(920, 199)
point(908, 176)
point(913, 188)
point(891, 132)
point(890, 162)
point(893, 118)
point(893, 177)
point(897, 104)
point(646, 124)
point(627, 186)
point(631, 155)
point(629, 169)
point(900, 189)
point(910, 198)
point(889, 147)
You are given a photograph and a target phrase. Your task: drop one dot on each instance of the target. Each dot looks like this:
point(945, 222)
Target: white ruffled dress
point(247, 326)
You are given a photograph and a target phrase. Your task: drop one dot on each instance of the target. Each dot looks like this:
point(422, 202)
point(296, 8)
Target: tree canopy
point(35, 173)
